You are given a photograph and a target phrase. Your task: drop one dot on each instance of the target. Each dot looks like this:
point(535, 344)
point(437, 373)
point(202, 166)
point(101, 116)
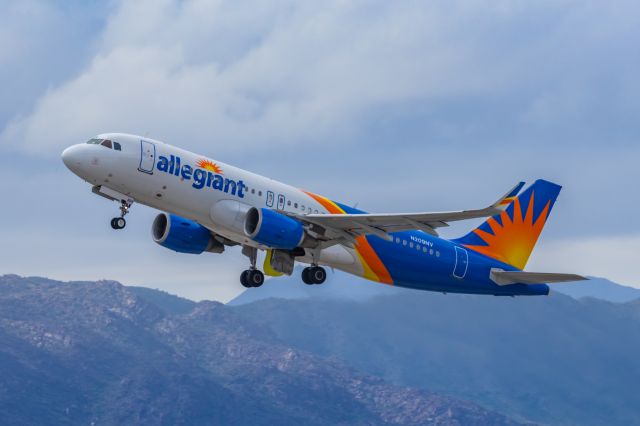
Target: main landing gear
point(251, 277)
point(120, 222)
point(314, 275)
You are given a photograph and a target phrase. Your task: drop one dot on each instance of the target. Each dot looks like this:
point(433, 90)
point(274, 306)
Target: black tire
point(244, 279)
point(256, 278)
point(318, 275)
point(118, 223)
point(306, 276)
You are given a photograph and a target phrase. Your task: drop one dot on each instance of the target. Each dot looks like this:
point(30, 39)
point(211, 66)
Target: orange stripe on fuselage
point(373, 261)
point(374, 269)
point(332, 207)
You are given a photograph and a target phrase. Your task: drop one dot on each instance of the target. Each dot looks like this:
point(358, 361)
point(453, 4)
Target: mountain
point(168, 303)
point(345, 287)
point(554, 360)
point(99, 353)
point(599, 288)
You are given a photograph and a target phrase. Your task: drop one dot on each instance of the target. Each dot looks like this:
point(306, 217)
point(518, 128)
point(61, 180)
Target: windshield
point(106, 143)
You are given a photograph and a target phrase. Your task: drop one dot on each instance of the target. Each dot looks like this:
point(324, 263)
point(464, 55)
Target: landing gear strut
point(314, 275)
point(120, 222)
point(251, 277)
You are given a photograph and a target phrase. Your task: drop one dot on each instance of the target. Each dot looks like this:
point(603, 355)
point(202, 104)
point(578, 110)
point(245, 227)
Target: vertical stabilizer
point(511, 235)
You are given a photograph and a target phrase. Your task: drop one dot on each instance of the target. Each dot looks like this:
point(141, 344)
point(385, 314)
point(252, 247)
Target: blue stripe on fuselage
point(413, 268)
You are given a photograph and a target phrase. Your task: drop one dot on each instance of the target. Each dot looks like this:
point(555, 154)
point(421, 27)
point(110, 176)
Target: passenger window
point(117, 146)
point(295, 205)
point(107, 143)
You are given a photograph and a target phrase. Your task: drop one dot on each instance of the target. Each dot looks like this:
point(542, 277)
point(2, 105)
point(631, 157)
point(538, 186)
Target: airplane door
point(147, 157)
point(462, 263)
point(280, 202)
point(270, 198)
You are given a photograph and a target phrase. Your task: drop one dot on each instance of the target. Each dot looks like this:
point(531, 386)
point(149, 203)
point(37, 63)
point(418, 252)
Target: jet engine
point(183, 235)
point(273, 229)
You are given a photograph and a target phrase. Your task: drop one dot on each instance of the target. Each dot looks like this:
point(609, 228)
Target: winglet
point(507, 198)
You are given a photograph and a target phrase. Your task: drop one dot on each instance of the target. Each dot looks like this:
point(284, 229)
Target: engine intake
point(183, 235)
point(273, 229)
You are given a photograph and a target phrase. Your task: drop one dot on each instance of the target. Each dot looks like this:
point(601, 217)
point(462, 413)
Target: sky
point(390, 106)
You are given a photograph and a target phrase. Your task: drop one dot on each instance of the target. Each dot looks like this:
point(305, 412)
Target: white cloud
point(448, 101)
point(42, 44)
point(252, 75)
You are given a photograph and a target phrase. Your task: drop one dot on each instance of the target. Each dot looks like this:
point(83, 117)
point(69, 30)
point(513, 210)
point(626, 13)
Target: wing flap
point(501, 277)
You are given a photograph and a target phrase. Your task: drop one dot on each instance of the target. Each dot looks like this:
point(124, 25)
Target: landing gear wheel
point(306, 277)
point(244, 279)
point(118, 223)
point(318, 274)
point(251, 278)
point(256, 278)
point(314, 275)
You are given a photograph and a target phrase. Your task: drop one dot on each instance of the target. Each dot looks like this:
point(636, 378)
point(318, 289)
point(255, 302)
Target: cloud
point(258, 76)
point(406, 106)
point(42, 45)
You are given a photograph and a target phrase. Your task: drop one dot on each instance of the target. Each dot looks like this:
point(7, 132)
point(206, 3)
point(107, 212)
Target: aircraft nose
point(72, 158)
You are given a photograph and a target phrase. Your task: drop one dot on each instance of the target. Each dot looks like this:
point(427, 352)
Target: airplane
point(207, 205)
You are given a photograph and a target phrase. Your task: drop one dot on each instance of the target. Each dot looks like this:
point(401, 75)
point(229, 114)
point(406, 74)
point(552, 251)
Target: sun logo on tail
point(512, 236)
point(209, 165)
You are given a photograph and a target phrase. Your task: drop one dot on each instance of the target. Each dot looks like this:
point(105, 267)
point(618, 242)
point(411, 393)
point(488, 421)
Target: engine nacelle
point(273, 229)
point(183, 235)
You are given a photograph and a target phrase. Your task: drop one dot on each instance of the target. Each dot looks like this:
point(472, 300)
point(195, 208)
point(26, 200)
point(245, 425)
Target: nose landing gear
point(120, 222)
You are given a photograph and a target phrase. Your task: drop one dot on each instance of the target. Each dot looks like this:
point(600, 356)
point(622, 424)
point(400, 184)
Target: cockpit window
point(106, 143)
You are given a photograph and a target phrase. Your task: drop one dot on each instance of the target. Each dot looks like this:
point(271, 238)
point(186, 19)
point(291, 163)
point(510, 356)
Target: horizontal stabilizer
point(501, 277)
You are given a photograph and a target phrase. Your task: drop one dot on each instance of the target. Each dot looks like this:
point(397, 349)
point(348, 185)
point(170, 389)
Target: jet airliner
point(207, 205)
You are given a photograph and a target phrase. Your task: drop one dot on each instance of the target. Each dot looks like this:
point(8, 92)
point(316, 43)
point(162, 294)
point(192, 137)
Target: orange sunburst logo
point(514, 239)
point(209, 165)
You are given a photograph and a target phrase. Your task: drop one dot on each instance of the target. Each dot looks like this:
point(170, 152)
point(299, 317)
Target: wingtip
point(507, 199)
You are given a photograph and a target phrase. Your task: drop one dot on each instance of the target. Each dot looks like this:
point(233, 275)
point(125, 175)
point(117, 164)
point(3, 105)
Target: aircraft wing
point(350, 226)
point(501, 277)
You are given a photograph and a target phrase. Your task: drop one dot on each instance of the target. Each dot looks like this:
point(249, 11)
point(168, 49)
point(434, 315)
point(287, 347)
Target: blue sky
point(395, 106)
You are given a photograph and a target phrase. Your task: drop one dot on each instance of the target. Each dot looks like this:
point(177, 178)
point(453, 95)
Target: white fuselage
point(210, 192)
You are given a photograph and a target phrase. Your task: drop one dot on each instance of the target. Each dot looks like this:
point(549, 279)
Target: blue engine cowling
point(183, 235)
point(273, 229)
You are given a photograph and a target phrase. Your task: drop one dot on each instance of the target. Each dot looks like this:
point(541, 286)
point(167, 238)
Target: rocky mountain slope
point(553, 360)
point(80, 353)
